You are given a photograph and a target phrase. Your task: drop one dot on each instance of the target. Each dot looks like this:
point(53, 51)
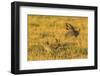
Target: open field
point(49, 37)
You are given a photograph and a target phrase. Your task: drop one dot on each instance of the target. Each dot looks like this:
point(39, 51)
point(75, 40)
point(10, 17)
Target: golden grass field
point(48, 38)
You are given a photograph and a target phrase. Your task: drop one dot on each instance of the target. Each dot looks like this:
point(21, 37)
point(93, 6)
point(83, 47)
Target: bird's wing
point(67, 27)
point(71, 26)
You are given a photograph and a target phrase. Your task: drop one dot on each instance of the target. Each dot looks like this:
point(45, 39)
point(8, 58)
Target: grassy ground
point(47, 39)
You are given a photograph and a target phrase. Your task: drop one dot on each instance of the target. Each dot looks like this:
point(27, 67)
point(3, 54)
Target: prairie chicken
point(72, 31)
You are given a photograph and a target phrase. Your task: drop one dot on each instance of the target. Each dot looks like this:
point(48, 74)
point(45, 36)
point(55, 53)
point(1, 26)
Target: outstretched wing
point(69, 26)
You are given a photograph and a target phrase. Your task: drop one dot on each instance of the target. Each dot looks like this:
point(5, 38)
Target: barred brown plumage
point(71, 30)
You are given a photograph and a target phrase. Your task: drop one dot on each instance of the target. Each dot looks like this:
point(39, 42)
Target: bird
point(72, 31)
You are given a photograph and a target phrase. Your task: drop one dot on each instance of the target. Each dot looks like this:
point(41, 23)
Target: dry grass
point(47, 38)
